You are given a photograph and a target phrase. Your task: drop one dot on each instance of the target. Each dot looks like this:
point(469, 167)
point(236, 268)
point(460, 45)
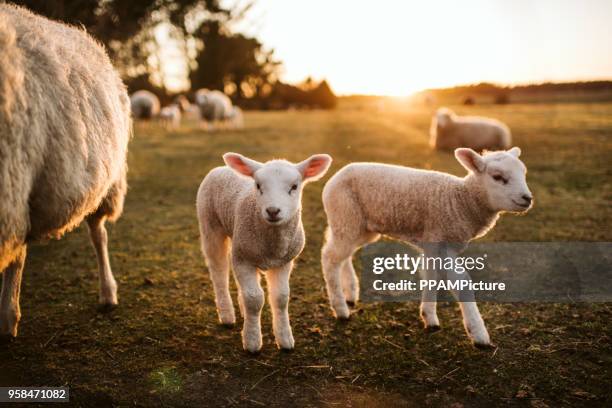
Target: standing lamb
point(449, 131)
point(425, 208)
point(64, 132)
point(170, 116)
point(257, 207)
point(145, 105)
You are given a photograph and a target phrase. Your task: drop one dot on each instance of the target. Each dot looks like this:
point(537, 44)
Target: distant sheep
point(449, 131)
point(64, 130)
point(366, 200)
point(253, 210)
point(170, 116)
point(216, 107)
point(145, 105)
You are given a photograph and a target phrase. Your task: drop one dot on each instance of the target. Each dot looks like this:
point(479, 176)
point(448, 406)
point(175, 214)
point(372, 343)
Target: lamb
point(64, 133)
point(170, 116)
point(257, 207)
point(145, 105)
point(449, 131)
point(436, 212)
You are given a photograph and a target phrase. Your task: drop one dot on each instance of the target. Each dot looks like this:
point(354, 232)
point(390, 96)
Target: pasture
point(163, 346)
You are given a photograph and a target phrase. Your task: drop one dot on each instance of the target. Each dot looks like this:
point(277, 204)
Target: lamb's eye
point(500, 178)
point(293, 187)
point(258, 186)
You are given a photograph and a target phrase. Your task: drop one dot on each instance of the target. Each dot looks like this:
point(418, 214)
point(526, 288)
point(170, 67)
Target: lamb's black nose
point(527, 198)
point(273, 211)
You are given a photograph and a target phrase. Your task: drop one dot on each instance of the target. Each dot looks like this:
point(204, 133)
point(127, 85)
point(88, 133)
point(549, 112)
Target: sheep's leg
point(350, 283)
point(278, 296)
point(216, 249)
point(10, 313)
point(333, 255)
point(99, 239)
point(428, 312)
point(252, 298)
point(472, 320)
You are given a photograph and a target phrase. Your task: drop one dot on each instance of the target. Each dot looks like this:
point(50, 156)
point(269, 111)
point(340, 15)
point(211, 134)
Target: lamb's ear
point(241, 164)
point(443, 116)
point(515, 151)
point(469, 159)
point(314, 167)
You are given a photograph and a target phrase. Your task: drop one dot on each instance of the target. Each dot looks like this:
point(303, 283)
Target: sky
point(397, 47)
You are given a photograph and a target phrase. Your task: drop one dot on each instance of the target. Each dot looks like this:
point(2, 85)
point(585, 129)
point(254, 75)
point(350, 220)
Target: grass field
point(163, 345)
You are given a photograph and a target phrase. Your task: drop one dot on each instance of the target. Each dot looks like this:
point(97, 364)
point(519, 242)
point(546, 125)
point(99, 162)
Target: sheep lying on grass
point(449, 131)
point(64, 133)
point(256, 207)
point(425, 208)
point(170, 116)
point(145, 105)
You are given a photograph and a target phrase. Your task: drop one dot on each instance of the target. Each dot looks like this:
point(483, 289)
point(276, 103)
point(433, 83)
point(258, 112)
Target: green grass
point(163, 345)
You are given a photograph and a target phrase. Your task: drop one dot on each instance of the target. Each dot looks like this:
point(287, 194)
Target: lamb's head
point(279, 183)
point(502, 175)
point(444, 117)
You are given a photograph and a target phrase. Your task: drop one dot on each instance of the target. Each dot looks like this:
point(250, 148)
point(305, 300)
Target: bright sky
point(396, 47)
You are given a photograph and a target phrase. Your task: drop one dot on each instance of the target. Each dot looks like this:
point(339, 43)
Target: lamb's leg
point(99, 240)
point(278, 296)
point(472, 320)
point(333, 255)
point(428, 312)
point(215, 247)
point(350, 283)
point(252, 298)
point(10, 312)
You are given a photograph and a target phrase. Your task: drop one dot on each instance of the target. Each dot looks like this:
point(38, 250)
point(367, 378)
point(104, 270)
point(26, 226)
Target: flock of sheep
point(210, 107)
point(65, 162)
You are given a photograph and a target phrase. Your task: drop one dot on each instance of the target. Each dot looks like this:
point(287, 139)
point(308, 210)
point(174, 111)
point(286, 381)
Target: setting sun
point(396, 48)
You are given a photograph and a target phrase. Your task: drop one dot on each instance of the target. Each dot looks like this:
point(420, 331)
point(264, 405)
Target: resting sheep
point(145, 105)
point(64, 131)
point(449, 131)
point(425, 208)
point(257, 207)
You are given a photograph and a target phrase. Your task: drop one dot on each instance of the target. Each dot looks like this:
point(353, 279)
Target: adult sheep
point(64, 130)
point(449, 131)
point(215, 106)
point(145, 105)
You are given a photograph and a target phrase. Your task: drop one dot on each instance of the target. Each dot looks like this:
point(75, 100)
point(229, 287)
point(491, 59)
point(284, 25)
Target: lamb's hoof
point(6, 338)
point(253, 352)
point(107, 307)
point(350, 303)
point(228, 325)
point(432, 329)
point(286, 349)
point(484, 346)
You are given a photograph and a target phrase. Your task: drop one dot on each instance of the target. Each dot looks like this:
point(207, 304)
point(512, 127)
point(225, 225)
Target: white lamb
point(170, 116)
point(257, 208)
point(425, 208)
point(449, 131)
point(145, 105)
point(64, 131)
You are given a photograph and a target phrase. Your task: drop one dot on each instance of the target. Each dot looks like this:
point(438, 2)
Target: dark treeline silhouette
point(548, 91)
point(217, 58)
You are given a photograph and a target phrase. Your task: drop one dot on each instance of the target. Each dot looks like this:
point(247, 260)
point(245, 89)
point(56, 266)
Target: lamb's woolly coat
point(394, 200)
point(225, 197)
point(64, 130)
point(449, 131)
point(214, 105)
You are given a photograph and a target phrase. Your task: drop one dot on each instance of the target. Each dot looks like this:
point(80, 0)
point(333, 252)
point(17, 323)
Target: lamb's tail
point(11, 70)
